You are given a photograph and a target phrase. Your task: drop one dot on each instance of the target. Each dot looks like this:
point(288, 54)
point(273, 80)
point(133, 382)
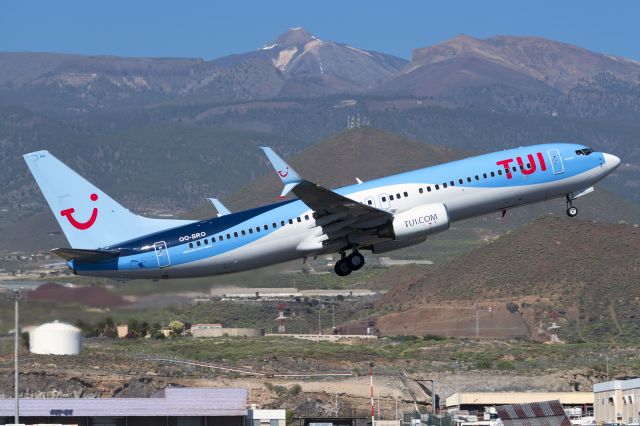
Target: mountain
point(79, 84)
point(505, 70)
point(304, 58)
point(295, 64)
point(581, 275)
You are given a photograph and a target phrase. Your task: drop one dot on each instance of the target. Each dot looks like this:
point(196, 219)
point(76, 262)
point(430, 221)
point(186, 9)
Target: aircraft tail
point(89, 218)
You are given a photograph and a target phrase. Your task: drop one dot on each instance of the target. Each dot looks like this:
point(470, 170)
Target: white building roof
point(617, 385)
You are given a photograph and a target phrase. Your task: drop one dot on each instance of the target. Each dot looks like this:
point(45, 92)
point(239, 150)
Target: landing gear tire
point(572, 211)
point(355, 261)
point(342, 268)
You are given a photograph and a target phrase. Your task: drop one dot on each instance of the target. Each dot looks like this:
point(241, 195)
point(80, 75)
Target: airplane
point(379, 215)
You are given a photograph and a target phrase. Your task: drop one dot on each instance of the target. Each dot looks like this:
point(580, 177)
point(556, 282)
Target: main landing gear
point(571, 210)
point(347, 264)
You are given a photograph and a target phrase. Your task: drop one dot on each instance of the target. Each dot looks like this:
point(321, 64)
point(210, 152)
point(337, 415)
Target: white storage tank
point(55, 338)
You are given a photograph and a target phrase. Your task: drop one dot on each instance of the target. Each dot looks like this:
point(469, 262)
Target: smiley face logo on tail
point(82, 225)
point(284, 173)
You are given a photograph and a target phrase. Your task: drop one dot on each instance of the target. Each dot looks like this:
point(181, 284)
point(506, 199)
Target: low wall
point(231, 332)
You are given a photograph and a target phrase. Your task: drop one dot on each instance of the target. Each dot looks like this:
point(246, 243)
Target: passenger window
point(398, 196)
point(257, 229)
point(468, 179)
point(298, 219)
point(370, 202)
point(198, 243)
point(521, 166)
point(251, 230)
point(514, 168)
point(444, 185)
point(306, 217)
point(206, 241)
point(228, 236)
point(452, 183)
point(437, 187)
point(190, 245)
point(493, 174)
point(406, 194)
point(484, 175)
point(390, 198)
point(274, 225)
point(243, 233)
point(477, 177)
point(266, 227)
point(282, 223)
point(384, 199)
point(235, 234)
point(220, 238)
point(500, 172)
point(460, 181)
point(428, 189)
point(420, 190)
point(290, 221)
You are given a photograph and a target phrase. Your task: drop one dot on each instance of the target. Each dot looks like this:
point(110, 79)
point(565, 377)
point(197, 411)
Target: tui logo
point(82, 225)
point(285, 173)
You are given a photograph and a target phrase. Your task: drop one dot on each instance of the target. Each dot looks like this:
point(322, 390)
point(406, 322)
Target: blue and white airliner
point(380, 215)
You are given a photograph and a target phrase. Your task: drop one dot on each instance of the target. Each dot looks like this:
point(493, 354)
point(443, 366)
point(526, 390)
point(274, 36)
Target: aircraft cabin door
point(385, 203)
point(162, 254)
point(556, 161)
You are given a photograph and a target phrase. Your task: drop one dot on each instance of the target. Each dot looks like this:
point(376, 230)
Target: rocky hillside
point(581, 275)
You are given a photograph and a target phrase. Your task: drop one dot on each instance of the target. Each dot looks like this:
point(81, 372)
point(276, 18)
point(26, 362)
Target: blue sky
point(211, 29)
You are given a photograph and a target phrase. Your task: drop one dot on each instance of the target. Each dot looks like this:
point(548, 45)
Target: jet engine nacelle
point(416, 222)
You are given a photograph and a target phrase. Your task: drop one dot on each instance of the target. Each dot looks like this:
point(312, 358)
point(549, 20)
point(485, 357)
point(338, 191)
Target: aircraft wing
point(344, 214)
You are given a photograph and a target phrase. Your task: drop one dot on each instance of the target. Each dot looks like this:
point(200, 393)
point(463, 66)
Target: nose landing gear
point(348, 264)
point(571, 210)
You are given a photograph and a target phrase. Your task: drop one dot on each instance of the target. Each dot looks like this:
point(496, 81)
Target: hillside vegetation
point(583, 275)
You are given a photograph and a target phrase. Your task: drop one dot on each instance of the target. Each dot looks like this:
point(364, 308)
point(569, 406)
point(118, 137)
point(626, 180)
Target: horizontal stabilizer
point(85, 256)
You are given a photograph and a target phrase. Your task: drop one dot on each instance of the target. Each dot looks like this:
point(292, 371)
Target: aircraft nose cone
point(611, 161)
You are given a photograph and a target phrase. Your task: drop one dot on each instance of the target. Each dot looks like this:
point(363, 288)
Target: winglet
point(222, 210)
point(287, 175)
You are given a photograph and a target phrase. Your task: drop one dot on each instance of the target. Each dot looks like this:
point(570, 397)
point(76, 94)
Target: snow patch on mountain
point(364, 52)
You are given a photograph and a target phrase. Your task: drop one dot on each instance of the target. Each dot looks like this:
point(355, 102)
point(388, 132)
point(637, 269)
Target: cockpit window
point(585, 151)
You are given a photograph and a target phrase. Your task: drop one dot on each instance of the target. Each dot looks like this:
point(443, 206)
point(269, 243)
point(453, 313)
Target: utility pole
point(16, 295)
point(319, 311)
point(333, 315)
point(373, 417)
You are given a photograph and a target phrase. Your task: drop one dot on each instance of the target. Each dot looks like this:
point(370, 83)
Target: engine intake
point(416, 222)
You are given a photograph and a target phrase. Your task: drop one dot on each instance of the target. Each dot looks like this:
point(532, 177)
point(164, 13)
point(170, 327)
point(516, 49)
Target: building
point(478, 401)
point(205, 326)
point(122, 330)
point(544, 413)
point(169, 407)
point(617, 401)
point(266, 418)
point(223, 332)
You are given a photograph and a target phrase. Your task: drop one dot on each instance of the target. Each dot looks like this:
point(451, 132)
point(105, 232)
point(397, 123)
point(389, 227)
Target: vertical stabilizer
point(89, 218)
